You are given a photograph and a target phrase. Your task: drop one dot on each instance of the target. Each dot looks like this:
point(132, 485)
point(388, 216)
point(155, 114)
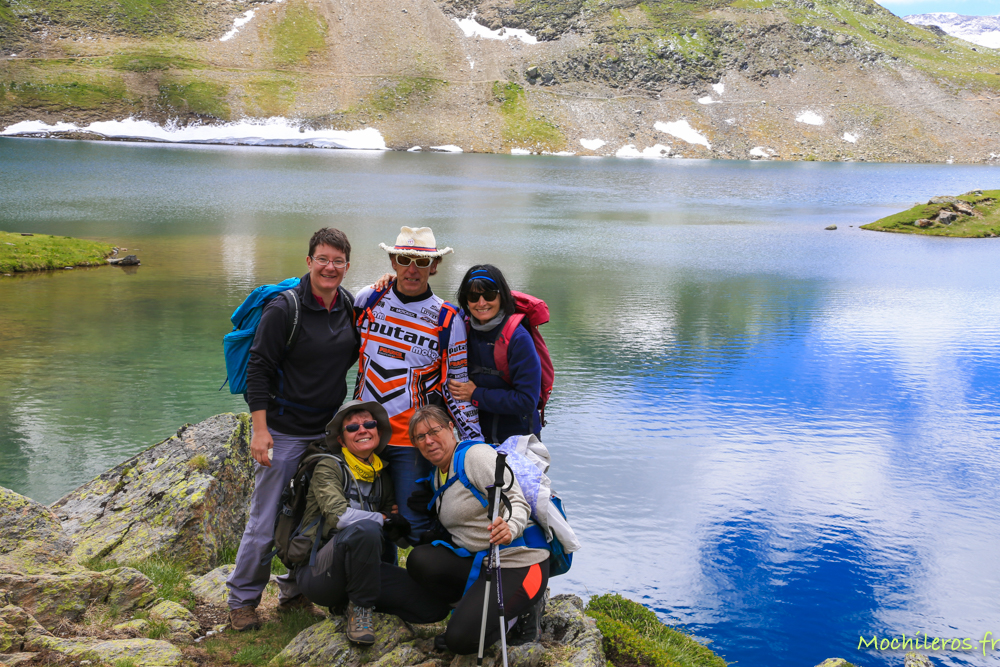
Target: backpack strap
point(446, 316)
point(364, 331)
point(502, 346)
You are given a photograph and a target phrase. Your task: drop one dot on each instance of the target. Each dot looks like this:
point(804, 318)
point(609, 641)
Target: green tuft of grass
point(41, 251)
point(257, 647)
point(199, 462)
point(403, 92)
point(125, 662)
point(297, 34)
point(522, 127)
point(985, 222)
point(200, 98)
point(62, 94)
point(148, 62)
point(157, 629)
point(633, 635)
point(170, 577)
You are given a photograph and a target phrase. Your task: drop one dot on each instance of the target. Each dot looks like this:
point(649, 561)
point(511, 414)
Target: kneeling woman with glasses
point(505, 408)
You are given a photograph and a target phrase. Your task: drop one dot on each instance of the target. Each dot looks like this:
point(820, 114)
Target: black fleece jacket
point(315, 369)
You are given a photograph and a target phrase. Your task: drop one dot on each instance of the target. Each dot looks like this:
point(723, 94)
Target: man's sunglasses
point(421, 262)
point(489, 295)
point(370, 424)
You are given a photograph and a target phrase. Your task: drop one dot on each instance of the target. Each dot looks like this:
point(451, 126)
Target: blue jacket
point(506, 410)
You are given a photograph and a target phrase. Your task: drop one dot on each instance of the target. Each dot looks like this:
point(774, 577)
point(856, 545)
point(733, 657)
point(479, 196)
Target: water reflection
point(778, 436)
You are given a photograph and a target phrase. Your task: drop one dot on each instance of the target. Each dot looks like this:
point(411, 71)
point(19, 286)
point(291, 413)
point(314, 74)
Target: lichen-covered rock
point(402, 655)
point(580, 643)
point(178, 619)
point(210, 588)
point(135, 626)
point(913, 659)
point(31, 539)
point(186, 497)
point(14, 659)
point(326, 644)
point(23, 624)
point(52, 599)
point(141, 652)
point(526, 655)
point(834, 662)
point(9, 637)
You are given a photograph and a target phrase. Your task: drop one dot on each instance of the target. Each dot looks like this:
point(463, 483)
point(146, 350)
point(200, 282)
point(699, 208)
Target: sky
point(968, 7)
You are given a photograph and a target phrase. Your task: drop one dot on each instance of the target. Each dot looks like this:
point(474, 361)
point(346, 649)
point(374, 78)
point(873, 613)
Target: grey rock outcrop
point(39, 574)
point(569, 639)
point(186, 498)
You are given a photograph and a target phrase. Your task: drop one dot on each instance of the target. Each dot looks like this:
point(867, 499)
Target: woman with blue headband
point(505, 408)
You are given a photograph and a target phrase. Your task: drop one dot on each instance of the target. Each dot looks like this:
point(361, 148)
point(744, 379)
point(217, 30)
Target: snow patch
point(520, 151)
point(628, 151)
point(248, 132)
point(413, 149)
point(657, 151)
point(683, 131)
point(560, 153)
point(730, 121)
point(707, 100)
point(759, 151)
point(719, 88)
point(853, 138)
point(447, 148)
point(809, 118)
point(472, 28)
point(982, 30)
point(237, 24)
point(592, 144)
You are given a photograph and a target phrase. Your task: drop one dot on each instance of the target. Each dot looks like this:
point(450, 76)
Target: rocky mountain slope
point(981, 30)
point(761, 79)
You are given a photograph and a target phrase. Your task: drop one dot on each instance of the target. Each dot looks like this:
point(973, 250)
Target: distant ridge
point(982, 30)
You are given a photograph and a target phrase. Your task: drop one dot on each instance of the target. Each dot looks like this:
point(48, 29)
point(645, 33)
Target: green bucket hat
point(376, 410)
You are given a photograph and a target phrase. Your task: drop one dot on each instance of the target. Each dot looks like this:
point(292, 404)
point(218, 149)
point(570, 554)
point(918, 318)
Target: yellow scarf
point(363, 472)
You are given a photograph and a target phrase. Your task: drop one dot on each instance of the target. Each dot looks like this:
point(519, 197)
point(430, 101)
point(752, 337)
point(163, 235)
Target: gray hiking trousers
point(247, 581)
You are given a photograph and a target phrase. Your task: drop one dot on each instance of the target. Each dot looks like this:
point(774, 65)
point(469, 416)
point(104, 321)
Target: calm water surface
point(779, 437)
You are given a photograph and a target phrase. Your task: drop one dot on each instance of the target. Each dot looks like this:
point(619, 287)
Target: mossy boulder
point(210, 588)
point(139, 652)
point(182, 623)
point(31, 539)
point(18, 629)
point(326, 644)
point(184, 498)
point(52, 598)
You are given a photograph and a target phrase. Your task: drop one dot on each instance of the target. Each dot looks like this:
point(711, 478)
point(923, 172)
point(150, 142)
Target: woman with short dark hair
point(505, 408)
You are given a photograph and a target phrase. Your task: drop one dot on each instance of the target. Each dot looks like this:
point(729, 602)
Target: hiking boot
point(360, 625)
point(299, 603)
point(440, 644)
point(244, 618)
point(528, 626)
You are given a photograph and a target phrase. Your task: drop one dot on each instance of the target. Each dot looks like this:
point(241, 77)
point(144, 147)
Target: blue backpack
point(530, 479)
point(236, 344)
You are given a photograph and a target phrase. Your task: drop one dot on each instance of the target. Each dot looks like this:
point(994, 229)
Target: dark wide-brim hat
point(376, 410)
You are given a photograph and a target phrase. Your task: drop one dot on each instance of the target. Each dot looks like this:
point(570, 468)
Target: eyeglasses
point(489, 295)
point(421, 262)
point(323, 261)
point(419, 440)
point(370, 424)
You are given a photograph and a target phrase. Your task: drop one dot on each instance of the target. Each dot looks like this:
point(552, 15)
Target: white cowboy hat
point(418, 242)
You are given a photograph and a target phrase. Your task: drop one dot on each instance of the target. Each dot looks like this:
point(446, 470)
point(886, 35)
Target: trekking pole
point(493, 563)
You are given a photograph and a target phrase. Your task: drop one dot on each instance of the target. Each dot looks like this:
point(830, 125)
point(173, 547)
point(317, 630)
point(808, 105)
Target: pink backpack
point(532, 312)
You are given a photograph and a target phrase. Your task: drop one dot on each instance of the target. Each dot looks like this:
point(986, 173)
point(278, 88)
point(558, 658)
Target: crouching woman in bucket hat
point(451, 565)
point(351, 501)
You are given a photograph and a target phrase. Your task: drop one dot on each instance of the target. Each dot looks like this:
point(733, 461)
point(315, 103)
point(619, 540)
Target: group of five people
point(427, 378)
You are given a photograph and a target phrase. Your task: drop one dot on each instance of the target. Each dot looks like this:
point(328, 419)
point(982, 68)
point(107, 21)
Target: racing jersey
point(400, 363)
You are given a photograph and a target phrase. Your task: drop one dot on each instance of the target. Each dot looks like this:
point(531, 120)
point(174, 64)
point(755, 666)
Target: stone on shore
point(184, 498)
point(31, 539)
point(580, 642)
point(326, 644)
point(140, 652)
point(210, 588)
point(52, 598)
point(39, 574)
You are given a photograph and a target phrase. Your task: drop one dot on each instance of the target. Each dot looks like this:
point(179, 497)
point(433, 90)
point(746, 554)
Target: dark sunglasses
point(370, 424)
point(489, 295)
point(421, 262)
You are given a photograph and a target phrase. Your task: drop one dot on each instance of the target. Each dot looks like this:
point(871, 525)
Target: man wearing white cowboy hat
point(412, 343)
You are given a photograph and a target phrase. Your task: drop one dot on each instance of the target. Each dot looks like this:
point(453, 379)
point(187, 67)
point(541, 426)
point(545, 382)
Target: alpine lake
point(780, 438)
